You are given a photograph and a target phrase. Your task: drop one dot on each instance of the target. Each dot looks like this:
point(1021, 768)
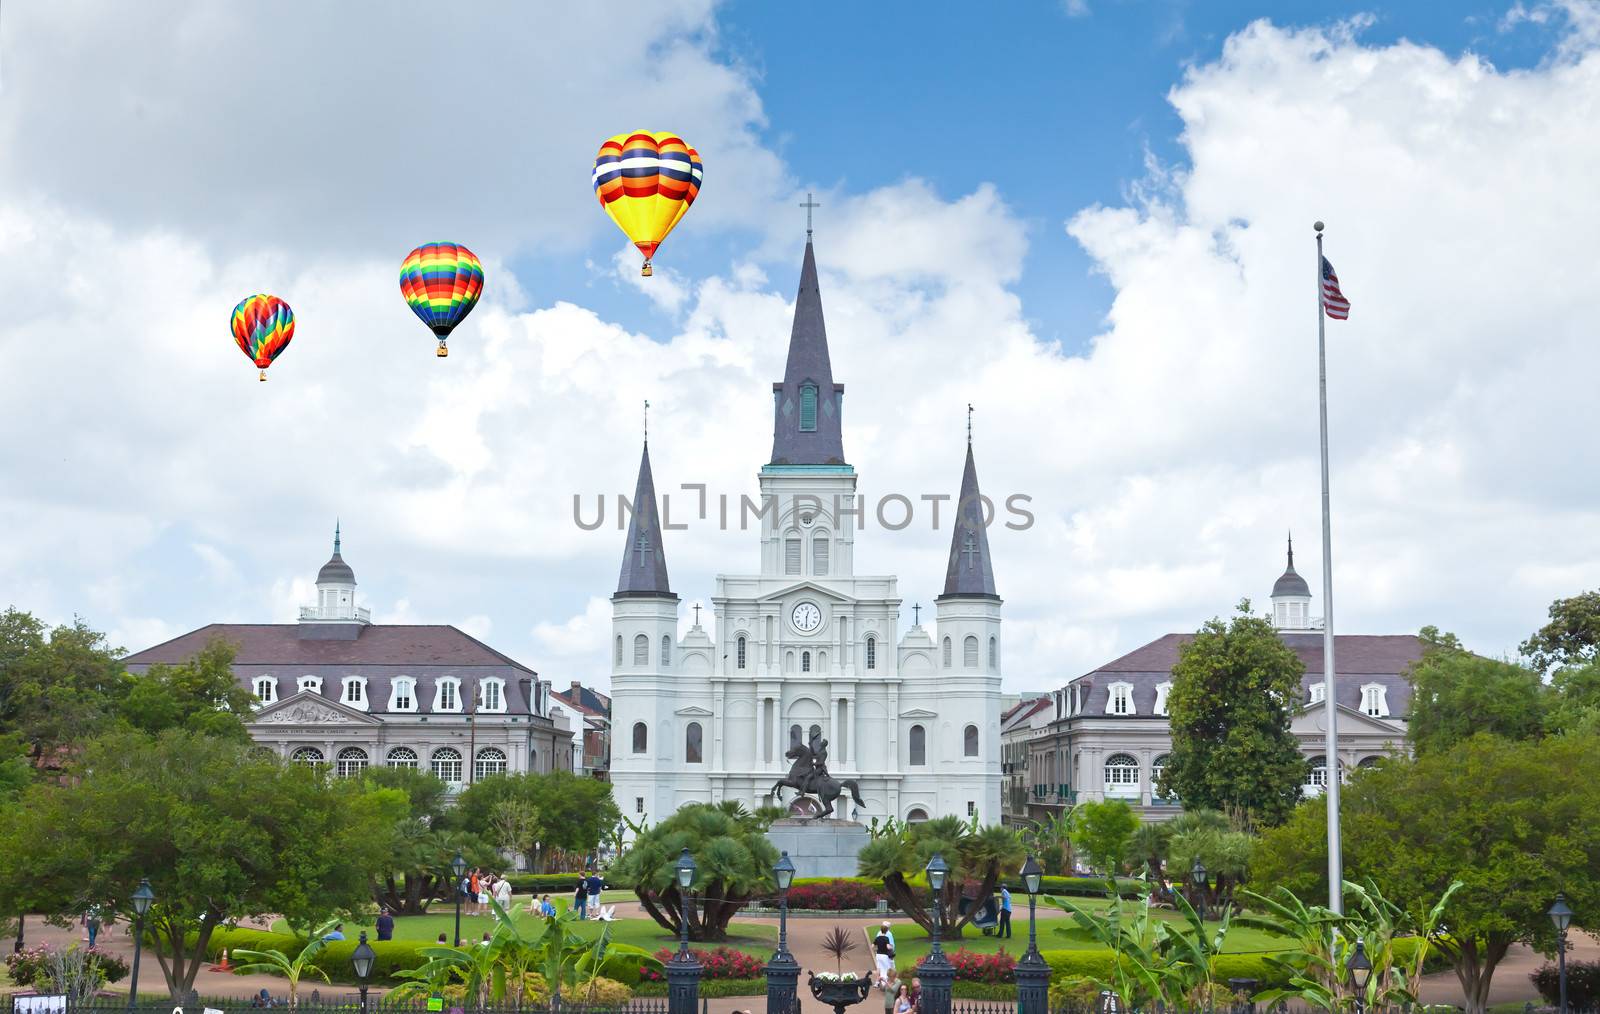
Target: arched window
point(1156, 767)
point(788, 661)
point(1119, 699)
point(447, 694)
point(307, 755)
point(994, 653)
point(947, 655)
point(1162, 690)
point(795, 734)
point(969, 652)
point(491, 695)
point(1122, 776)
point(641, 650)
point(739, 650)
point(916, 815)
point(402, 757)
point(641, 737)
point(808, 408)
point(666, 651)
point(1375, 700)
point(490, 761)
point(446, 764)
point(1369, 762)
point(819, 554)
point(919, 746)
point(352, 760)
point(969, 741)
point(1318, 692)
point(355, 692)
point(403, 694)
point(691, 743)
point(616, 658)
point(872, 653)
point(805, 661)
point(266, 689)
point(309, 683)
point(815, 732)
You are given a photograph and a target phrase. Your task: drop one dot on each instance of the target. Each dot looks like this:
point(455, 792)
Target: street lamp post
point(1197, 878)
point(936, 971)
point(683, 971)
point(458, 869)
point(1561, 915)
point(783, 971)
point(141, 905)
point(362, 959)
point(1359, 968)
point(1032, 974)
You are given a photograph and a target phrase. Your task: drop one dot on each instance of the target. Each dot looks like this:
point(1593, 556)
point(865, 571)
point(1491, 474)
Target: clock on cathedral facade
point(807, 646)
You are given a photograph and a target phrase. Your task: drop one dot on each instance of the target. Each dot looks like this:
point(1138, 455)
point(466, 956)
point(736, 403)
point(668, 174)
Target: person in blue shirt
point(595, 885)
point(1005, 912)
point(385, 925)
point(337, 933)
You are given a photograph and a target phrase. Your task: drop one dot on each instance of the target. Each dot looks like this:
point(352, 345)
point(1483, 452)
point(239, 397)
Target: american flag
point(1333, 302)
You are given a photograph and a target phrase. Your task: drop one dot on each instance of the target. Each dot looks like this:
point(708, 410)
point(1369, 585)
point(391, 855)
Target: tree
point(1456, 694)
point(1509, 819)
point(1574, 697)
point(1232, 697)
point(200, 695)
point(1572, 637)
point(57, 687)
point(415, 867)
point(734, 863)
point(977, 858)
point(221, 833)
point(574, 813)
point(1102, 833)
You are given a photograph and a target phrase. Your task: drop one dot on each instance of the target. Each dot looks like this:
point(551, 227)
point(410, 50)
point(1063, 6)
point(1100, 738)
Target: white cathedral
point(807, 646)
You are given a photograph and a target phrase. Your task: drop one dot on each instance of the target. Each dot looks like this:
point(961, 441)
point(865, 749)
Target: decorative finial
point(1291, 550)
point(808, 204)
point(335, 536)
point(647, 420)
point(1317, 226)
point(969, 424)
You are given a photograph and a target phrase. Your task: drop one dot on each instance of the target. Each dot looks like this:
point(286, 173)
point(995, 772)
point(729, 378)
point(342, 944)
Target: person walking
point(595, 886)
point(580, 898)
point(385, 925)
point(475, 892)
point(91, 922)
point(1005, 913)
point(502, 893)
point(883, 957)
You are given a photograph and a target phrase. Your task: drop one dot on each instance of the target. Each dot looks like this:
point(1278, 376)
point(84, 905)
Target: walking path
point(1511, 983)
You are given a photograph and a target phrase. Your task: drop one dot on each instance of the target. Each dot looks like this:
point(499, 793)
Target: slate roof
point(644, 558)
point(808, 363)
point(580, 696)
point(379, 652)
point(1360, 659)
point(970, 573)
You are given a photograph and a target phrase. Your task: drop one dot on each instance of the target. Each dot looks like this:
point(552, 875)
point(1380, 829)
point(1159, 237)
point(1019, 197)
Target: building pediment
point(694, 710)
point(806, 587)
point(919, 713)
point(308, 708)
point(1312, 720)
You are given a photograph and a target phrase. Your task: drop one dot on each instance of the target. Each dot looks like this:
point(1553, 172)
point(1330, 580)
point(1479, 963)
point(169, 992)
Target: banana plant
point(279, 963)
point(1191, 952)
point(1138, 974)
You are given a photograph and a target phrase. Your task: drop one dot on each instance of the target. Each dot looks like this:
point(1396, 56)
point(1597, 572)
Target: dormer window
point(266, 689)
point(447, 696)
point(403, 694)
point(1375, 700)
point(491, 695)
point(1162, 690)
point(309, 684)
point(808, 408)
point(1318, 693)
point(355, 692)
point(1119, 699)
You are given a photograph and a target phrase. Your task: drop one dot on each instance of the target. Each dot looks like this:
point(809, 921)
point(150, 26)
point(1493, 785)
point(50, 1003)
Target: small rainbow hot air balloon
point(646, 182)
point(441, 283)
point(263, 326)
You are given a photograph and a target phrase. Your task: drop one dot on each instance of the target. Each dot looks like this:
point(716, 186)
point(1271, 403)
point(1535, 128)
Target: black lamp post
point(458, 869)
point(1197, 879)
point(783, 971)
point(1561, 916)
point(362, 959)
point(1359, 968)
point(683, 971)
point(936, 971)
point(142, 897)
point(1032, 974)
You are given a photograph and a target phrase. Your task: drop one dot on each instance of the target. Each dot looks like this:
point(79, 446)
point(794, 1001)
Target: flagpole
point(1330, 705)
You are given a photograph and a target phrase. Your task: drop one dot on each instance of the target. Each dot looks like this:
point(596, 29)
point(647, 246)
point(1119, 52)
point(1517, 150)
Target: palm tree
point(292, 969)
point(734, 863)
point(977, 860)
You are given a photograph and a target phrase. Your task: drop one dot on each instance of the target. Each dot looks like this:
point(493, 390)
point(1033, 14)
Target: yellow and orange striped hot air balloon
point(646, 182)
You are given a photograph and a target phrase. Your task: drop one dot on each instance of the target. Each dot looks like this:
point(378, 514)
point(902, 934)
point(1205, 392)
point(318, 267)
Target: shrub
point(31, 966)
point(973, 966)
point(711, 988)
point(1583, 983)
point(835, 894)
point(546, 883)
point(721, 963)
point(604, 992)
point(1074, 992)
point(1097, 964)
point(392, 955)
point(1078, 887)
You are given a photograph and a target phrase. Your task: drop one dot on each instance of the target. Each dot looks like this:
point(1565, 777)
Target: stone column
point(719, 688)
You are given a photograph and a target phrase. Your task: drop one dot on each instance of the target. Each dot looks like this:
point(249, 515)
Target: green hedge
point(545, 883)
point(1097, 964)
point(711, 987)
point(392, 955)
point(1080, 887)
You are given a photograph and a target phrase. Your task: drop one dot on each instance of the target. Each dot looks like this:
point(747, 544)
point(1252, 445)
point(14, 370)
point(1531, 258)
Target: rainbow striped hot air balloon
point(263, 326)
point(441, 283)
point(646, 182)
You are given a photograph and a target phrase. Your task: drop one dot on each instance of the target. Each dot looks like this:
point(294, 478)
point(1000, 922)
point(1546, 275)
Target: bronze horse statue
point(809, 776)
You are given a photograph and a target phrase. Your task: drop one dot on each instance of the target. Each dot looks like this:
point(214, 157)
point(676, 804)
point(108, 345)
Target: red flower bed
point(835, 895)
point(972, 966)
point(722, 963)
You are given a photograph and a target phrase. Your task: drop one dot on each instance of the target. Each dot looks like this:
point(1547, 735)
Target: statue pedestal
point(820, 848)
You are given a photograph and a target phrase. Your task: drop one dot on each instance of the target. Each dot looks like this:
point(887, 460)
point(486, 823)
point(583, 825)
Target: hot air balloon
point(646, 182)
point(441, 283)
point(263, 326)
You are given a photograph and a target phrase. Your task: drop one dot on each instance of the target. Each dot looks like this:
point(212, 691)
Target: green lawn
point(751, 938)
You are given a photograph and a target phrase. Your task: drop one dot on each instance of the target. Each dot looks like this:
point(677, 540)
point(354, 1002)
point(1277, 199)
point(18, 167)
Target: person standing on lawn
point(385, 925)
point(1005, 913)
point(580, 899)
point(595, 886)
point(502, 893)
point(475, 892)
point(883, 957)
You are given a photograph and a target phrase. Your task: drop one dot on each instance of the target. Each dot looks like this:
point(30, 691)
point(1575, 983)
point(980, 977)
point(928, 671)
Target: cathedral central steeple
point(644, 560)
point(807, 404)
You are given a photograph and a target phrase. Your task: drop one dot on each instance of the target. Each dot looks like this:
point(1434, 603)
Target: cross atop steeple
point(697, 614)
point(647, 420)
point(808, 204)
point(916, 614)
point(969, 424)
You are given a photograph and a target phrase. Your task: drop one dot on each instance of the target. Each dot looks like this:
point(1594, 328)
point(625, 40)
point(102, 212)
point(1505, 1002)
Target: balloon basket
point(647, 270)
point(441, 351)
point(263, 376)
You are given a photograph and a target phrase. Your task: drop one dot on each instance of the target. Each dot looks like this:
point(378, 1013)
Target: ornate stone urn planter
point(839, 991)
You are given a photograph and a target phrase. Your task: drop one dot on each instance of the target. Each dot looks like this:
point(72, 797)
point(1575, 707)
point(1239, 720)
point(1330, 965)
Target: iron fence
point(321, 1004)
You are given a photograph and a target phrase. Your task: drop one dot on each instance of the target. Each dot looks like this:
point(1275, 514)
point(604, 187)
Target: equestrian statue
point(808, 776)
